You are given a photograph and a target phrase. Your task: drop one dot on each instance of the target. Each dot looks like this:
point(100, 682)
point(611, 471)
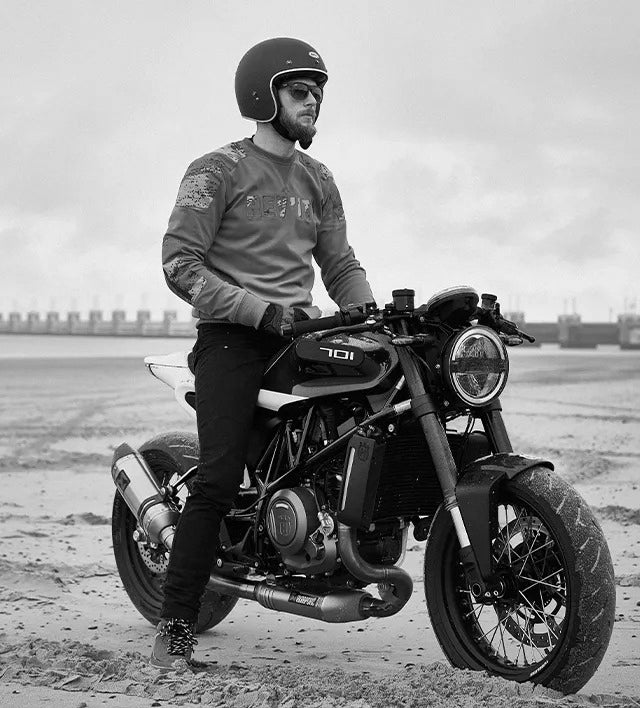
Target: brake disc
point(532, 633)
point(154, 558)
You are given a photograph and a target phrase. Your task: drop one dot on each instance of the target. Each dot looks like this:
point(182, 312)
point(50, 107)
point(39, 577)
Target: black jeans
point(229, 362)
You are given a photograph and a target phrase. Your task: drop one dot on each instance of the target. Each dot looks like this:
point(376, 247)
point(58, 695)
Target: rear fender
point(182, 447)
point(476, 492)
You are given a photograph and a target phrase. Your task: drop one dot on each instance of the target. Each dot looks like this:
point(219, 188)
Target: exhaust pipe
point(329, 606)
point(394, 584)
point(138, 487)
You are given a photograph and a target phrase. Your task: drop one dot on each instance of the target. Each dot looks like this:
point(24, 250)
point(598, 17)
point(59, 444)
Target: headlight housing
point(476, 365)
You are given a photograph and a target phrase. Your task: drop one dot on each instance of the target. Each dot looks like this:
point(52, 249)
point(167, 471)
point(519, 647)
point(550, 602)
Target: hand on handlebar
point(276, 317)
point(345, 317)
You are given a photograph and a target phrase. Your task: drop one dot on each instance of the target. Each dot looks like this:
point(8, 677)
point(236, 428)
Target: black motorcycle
point(369, 423)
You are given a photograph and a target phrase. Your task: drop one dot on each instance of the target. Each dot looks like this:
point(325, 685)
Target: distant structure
point(629, 326)
point(96, 325)
point(573, 333)
point(570, 332)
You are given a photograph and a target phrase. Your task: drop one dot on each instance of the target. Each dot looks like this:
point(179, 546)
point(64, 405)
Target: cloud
point(470, 141)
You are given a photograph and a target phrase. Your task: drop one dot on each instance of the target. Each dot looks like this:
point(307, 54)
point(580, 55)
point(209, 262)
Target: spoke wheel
point(553, 622)
point(526, 624)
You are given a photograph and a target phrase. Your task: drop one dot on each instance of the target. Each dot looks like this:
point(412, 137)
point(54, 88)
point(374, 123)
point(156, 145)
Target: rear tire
point(142, 569)
point(554, 623)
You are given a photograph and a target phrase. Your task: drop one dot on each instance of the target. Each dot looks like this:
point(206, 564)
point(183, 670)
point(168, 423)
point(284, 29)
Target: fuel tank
point(315, 366)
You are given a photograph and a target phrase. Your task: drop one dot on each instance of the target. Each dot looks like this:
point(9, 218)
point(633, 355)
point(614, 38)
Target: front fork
point(494, 427)
point(483, 585)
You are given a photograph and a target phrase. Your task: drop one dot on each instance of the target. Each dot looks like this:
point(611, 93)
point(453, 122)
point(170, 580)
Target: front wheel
point(554, 621)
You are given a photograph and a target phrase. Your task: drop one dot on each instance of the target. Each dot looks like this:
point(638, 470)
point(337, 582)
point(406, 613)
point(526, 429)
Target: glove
point(276, 315)
point(272, 320)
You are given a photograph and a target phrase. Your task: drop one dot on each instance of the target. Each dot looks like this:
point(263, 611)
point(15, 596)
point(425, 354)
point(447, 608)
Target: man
point(248, 220)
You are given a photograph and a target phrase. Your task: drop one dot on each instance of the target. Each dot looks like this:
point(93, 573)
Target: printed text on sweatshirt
point(244, 230)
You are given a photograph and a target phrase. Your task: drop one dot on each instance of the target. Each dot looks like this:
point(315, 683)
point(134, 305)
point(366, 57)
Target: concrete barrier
point(53, 322)
point(629, 331)
point(15, 322)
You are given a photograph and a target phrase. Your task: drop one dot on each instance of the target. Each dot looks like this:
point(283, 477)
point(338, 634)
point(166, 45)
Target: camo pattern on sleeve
point(204, 176)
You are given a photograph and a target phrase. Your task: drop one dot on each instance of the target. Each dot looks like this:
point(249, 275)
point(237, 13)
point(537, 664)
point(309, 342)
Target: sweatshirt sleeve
point(192, 229)
point(343, 276)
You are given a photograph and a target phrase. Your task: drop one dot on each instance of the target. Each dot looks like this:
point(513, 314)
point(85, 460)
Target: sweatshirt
point(243, 232)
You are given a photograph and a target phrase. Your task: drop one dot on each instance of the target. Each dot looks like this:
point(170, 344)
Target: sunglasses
point(299, 91)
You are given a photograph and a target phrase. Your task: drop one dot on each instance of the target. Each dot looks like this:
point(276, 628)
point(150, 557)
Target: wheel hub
point(529, 607)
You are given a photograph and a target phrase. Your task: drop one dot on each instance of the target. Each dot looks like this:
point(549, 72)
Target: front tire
point(142, 568)
point(554, 622)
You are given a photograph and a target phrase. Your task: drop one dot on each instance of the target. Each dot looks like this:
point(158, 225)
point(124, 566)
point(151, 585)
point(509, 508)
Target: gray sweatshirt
point(244, 230)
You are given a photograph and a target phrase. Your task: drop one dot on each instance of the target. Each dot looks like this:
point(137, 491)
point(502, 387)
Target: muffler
point(340, 605)
point(138, 487)
point(327, 605)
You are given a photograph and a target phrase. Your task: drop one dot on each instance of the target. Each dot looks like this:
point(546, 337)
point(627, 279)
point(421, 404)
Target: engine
point(301, 532)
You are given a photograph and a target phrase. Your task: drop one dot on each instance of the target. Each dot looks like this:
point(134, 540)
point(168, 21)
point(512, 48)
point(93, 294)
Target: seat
point(175, 359)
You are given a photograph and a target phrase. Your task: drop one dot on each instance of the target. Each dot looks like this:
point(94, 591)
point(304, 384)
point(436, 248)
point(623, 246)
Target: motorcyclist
point(248, 219)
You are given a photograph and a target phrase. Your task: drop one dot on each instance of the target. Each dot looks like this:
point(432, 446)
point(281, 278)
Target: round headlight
point(476, 365)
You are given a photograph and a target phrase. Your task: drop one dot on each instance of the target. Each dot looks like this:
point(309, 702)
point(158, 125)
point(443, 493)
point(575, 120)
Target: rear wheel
point(554, 621)
point(143, 568)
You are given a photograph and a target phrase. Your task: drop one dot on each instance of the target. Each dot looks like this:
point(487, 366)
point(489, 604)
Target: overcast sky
point(488, 143)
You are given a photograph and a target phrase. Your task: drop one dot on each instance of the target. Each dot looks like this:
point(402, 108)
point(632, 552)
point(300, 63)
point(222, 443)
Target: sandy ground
point(70, 637)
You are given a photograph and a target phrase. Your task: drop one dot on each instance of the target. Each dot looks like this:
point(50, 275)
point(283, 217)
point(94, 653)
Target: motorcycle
point(371, 422)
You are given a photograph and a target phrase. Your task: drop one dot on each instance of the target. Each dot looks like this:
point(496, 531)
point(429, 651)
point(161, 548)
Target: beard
point(302, 132)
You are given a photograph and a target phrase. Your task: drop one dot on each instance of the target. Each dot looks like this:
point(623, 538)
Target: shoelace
point(180, 635)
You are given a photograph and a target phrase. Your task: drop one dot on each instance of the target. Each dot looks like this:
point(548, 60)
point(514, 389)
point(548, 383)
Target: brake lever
point(526, 336)
point(509, 328)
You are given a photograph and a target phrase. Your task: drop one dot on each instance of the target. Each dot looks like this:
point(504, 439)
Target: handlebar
point(488, 314)
point(509, 328)
point(343, 318)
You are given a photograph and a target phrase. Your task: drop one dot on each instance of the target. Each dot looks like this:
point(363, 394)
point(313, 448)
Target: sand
point(69, 635)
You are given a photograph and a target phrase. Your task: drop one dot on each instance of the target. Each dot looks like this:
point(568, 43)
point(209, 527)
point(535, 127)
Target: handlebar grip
point(315, 325)
point(340, 319)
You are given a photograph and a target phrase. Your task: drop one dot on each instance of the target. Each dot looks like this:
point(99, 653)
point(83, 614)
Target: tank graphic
point(313, 366)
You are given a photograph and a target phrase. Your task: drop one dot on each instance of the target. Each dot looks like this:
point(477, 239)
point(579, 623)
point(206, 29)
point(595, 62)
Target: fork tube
point(494, 427)
point(446, 471)
point(426, 414)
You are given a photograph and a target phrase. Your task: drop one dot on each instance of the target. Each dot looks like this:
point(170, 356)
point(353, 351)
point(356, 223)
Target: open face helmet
point(266, 65)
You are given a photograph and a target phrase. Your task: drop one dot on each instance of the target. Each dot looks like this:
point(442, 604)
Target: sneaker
point(173, 645)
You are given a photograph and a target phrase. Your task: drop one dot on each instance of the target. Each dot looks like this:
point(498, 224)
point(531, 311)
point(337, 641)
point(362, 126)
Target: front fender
point(476, 493)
